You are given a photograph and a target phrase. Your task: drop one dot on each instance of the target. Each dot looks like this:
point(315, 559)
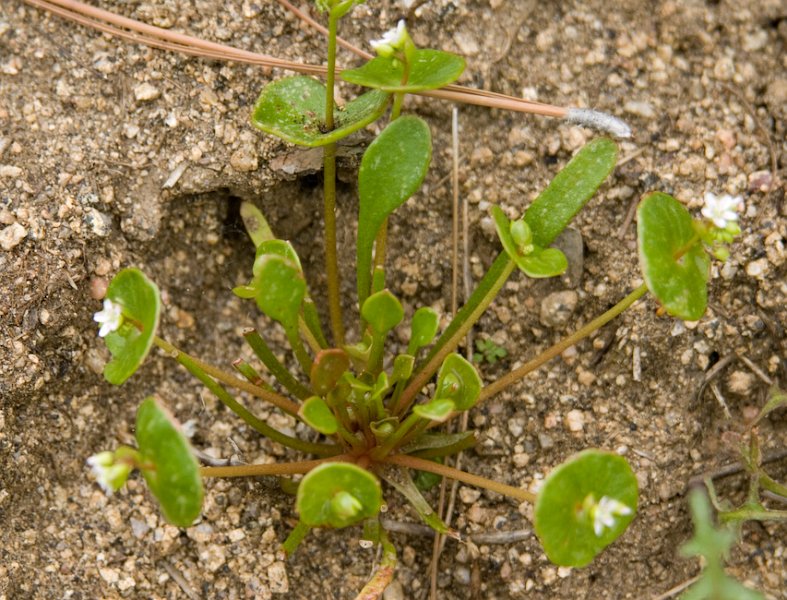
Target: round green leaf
point(382, 311)
point(275, 247)
point(459, 381)
point(423, 329)
point(130, 344)
point(280, 289)
point(293, 109)
point(548, 262)
point(337, 495)
point(437, 410)
point(317, 415)
point(565, 519)
point(328, 367)
point(174, 474)
point(392, 169)
point(430, 69)
point(675, 272)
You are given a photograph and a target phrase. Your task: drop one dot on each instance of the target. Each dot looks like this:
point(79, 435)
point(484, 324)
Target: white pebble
point(146, 92)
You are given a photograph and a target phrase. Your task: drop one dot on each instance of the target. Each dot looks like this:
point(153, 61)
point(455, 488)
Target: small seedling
point(488, 352)
point(373, 414)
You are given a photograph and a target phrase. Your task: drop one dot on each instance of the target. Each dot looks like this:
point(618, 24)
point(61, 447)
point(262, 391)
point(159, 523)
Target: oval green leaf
point(328, 367)
point(392, 169)
point(431, 69)
point(293, 109)
point(130, 343)
point(423, 328)
point(276, 247)
point(570, 190)
point(548, 262)
point(174, 479)
point(255, 223)
point(676, 273)
point(317, 415)
point(567, 518)
point(382, 311)
point(459, 381)
point(338, 495)
point(280, 289)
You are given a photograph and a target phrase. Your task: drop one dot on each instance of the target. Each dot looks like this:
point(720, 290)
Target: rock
point(557, 308)
point(145, 92)
point(11, 236)
point(99, 223)
point(574, 420)
point(394, 591)
point(10, 171)
point(277, 578)
point(570, 243)
point(641, 109)
point(244, 159)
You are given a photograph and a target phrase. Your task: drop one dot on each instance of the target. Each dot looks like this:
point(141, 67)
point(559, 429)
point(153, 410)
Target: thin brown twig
point(157, 37)
point(489, 537)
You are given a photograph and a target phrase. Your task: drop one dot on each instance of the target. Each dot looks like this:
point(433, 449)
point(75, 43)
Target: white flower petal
point(110, 317)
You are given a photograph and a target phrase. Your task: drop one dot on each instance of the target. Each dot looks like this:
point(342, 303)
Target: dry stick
point(170, 40)
point(491, 537)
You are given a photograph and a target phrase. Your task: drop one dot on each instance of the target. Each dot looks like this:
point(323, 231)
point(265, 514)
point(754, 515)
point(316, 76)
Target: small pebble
point(557, 308)
point(11, 236)
point(10, 171)
point(145, 92)
point(277, 578)
point(574, 420)
point(640, 109)
point(244, 159)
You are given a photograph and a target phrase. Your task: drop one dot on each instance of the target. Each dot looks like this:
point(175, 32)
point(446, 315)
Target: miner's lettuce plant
point(372, 410)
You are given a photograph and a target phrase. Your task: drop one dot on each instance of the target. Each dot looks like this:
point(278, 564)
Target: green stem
point(295, 538)
point(253, 421)
point(464, 320)
point(329, 193)
point(278, 370)
point(303, 358)
point(562, 345)
point(384, 573)
point(289, 468)
point(411, 462)
point(229, 379)
point(396, 110)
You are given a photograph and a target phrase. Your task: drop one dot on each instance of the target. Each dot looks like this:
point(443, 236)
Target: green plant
point(488, 351)
point(368, 404)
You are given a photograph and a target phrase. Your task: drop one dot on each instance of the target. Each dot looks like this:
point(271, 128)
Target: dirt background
point(91, 130)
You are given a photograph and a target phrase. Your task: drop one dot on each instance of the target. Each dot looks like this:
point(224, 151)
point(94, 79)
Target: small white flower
point(102, 464)
point(604, 513)
point(721, 210)
point(393, 39)
point(111, 317)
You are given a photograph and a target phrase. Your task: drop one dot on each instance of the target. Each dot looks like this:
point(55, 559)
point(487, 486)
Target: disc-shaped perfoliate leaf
point(317, 415)
point(437, 410)
point(280, 289)
point(293, 109)
point(537, 262)
point(382, 311)
point(278, 248)
point(392, 169)
point(571, 188)
point(337, 495)
point(328, 367)
point(584, 505)
point(431, 69)
point(174, 474)
point(675, 273)
point(131, 342)
point(423, 328)
point(459, 381)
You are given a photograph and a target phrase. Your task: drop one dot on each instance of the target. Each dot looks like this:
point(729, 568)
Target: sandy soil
point(92, 132)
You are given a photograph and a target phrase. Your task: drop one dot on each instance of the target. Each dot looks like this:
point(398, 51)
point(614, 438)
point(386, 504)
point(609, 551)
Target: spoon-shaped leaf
point(256, 224)
point(329, 366)
point(173, 476)
point(423, 328)
point(673, 262)
point(584, 505)
point(280, 289)
point(131, 342)
point(382, 311)
point(430, 69)
point(293, 109)
point(392, 169)
point(459, 381)
point(317, 415)
point(338, 495)
point(571, 188)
